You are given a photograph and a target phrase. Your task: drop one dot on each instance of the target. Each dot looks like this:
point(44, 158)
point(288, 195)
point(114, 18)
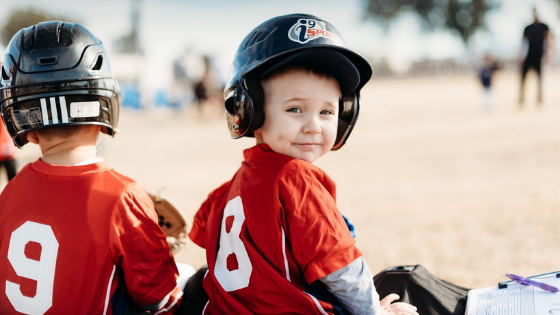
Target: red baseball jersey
point(80, 240)
point(274, 225)
point(7, 147)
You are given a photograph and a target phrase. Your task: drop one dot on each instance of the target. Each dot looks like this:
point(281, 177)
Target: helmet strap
point(254, 88)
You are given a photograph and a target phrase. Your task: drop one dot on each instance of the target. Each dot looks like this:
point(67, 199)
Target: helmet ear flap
point(348, 110)
point(255, 90)
point(235, 112)
point(244, 109)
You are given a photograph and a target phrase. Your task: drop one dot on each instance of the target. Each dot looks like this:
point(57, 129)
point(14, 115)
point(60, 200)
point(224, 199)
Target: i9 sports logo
point(306, 30)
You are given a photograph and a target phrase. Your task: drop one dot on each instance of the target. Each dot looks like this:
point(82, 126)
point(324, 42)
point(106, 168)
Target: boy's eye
point(327, 112)
point(294, 110)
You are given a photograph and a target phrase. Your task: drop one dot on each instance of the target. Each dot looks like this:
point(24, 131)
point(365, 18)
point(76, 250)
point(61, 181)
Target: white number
point(230, 243)
point(41, 271)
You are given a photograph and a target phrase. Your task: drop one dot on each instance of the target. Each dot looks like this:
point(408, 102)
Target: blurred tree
point(464, 17)
point(130, 43)
point(557, 2)
point(21, 18)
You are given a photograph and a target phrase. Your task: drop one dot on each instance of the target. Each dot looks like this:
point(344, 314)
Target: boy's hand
point(399, 308)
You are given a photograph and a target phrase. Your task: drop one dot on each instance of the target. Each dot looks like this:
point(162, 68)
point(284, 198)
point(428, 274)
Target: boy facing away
point(273, 235)
point(76, 237)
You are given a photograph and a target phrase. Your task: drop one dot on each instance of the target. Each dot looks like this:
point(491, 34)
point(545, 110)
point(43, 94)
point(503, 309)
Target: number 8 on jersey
point(237, 275)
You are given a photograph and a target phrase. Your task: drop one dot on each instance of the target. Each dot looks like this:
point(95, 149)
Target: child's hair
point(63, 132)
point(265, 80)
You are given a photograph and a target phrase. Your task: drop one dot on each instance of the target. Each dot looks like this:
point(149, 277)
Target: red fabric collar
point(63, 170)
point(261, 147)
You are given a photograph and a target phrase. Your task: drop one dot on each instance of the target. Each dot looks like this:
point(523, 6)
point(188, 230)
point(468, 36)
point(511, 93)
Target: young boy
point(273, 234)
point(489, 66)
point(76, 237)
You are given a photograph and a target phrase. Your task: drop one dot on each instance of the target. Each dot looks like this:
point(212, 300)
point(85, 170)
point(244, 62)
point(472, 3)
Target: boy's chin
point(307, 156)
point(301, 153)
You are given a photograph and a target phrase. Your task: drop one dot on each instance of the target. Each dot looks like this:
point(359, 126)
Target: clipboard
point(517, 299)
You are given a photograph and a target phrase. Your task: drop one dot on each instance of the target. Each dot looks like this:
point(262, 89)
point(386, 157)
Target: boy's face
point(301, 115)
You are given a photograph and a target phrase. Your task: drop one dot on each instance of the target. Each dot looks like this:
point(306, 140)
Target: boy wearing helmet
point(75, 236)
point(275, 241)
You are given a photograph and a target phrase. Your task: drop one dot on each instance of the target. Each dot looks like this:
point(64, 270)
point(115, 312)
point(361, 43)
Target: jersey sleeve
point(198, 230)
point(138, 246)
point(320, 240)
point(172, 305)
point(353, 286)
point(7, 147)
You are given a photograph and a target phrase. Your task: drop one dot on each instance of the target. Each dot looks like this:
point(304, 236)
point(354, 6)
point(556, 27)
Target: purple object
point(526, 281)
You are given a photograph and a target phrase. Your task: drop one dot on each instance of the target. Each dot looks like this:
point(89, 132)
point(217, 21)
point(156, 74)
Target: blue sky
point(170, 27)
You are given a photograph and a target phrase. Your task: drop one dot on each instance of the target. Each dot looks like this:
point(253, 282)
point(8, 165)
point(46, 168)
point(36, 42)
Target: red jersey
point(80, 240)
point(273, 226)
point(7, 147)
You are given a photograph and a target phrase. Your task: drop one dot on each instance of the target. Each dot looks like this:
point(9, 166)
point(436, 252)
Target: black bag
point(194, 296)
point(415, 285)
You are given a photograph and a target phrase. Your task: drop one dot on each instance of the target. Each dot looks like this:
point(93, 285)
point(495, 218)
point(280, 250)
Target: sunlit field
point(428, 176)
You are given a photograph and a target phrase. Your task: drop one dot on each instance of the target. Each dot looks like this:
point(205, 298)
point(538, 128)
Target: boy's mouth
point(307, 146)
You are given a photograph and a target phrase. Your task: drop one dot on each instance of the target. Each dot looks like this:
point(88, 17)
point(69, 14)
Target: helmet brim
point(326, 60)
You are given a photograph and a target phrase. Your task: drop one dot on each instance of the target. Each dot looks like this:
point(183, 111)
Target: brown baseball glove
point(171, 220)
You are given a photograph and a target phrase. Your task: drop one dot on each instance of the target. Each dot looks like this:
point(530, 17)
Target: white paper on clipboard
point(532, 300)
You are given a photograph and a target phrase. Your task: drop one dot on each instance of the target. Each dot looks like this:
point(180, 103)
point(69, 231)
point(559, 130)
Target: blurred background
point(161, 50)
point(443, 169)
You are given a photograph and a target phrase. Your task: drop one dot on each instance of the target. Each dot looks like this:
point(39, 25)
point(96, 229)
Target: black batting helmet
point(301, 39)
point(54, 74)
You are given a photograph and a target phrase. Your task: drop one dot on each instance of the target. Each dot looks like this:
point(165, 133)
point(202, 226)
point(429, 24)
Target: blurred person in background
point(197, 77)
point(489, 66)
point(7, 153)
point(208, 90)
point(537, 38)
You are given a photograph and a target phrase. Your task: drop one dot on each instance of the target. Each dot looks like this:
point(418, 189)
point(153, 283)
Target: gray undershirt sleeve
point(158, 305)
point(353, 286)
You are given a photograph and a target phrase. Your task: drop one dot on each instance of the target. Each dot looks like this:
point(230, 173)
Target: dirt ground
point(428, 177)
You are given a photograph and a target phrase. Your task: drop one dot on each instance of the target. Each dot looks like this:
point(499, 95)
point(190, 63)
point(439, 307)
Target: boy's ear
point(31, 136)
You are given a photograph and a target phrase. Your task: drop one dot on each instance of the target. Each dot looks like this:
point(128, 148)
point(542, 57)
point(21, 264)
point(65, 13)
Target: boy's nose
point(312, 125)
